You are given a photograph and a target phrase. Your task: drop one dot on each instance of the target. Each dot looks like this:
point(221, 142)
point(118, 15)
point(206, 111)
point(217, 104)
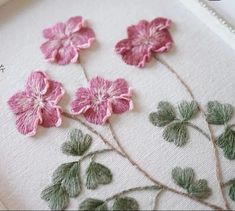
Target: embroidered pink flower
point(37, 104)
point(145, 39)
point(66, 40)
point(101, 99)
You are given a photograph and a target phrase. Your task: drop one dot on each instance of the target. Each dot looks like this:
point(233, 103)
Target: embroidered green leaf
point(176, 132)
point(232, 192)
point(68, 175)
point(226, 141)
point(93, 205)
point(218, 113)
point(56, 196)
point(164, 115)
point(200, 189)
point(125, 203)
point(97, 174)
point(183, 177)
point(78, 144)
point(188, 109)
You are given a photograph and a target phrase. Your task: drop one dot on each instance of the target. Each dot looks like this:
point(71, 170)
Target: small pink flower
point(65, 40)
point(37, 104)
point(101, 99)
point(145, 39)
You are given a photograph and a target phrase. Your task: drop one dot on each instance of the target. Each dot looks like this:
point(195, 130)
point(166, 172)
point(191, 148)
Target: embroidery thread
point(66, 40)
point(37, 104)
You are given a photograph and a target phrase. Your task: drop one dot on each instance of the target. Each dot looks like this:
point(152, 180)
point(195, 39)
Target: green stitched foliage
point(218, 113)
point(93, 205)
point(232, 192)
point(125, 203)
point(200, 189)
point(188, 109)
point(226, 141)
point(97, 174)
point(183, 177)
point(164, 115)
point(68, 175)
point(176, 132)
point(78, 144)
point(56, 196)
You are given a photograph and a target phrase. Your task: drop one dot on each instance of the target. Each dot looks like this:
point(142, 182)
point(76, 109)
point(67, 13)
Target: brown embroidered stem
point(219, 175)
point(157, 199)
point(213, 206)
point(91, 154)
point(144, 188)
point(199, 130)
point(71, 116)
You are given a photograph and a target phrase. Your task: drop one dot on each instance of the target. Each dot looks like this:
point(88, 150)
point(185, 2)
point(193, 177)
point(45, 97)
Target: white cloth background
point(204, 60)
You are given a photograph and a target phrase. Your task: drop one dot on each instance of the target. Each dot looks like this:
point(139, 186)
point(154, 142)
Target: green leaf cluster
point(176, 128)
point(119, 204)
point(66, 181)
point(185, 178)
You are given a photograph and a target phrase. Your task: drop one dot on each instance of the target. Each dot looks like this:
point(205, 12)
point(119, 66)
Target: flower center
point(39, 101)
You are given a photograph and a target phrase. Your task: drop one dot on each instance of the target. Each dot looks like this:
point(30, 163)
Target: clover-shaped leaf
point(200, 189)
point(183, 177)
point(164, 115)
point(91, 204)
point(188, 109)
point(176, 132)
point(56, 196)
point(226, 141)
point(68, 175)
point(125, 203)
point(78, 143)
point(218, 113)
point(97, 174)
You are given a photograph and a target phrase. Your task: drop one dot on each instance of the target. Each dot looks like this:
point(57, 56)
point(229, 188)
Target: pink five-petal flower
point(101, 99)
point(37, 104)
point(65, 40)
point(143, 40)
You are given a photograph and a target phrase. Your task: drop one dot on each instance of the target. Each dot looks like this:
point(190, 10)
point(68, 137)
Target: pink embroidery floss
point(101, 99)
point(145, 39)
point(37, 104)
point(66, 40)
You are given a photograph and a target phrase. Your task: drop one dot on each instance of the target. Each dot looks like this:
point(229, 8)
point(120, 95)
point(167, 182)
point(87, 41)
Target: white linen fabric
point(202, 58)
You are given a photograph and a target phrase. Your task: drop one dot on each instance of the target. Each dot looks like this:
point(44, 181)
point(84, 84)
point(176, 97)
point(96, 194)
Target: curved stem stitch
point(144, 188)
point(219, 175)
point(101, 151)
point(157, 199)
point(199, 130)
point(208, 204)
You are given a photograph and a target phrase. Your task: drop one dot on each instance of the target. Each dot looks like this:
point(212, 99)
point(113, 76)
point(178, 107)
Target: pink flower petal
point(160, 23)
point(140, 29)
point(50, 49)
point(20, 102)
point(162, 41)
point(27, 122)
point(133, 55)
point(54, 93)
point(57, 31)
point(74, 24)
point(37, 83)
point(121, 105)
point(99, 86)
point(83, 38)
point(51, 116)
point(119, 88)
point(82, 102)
point(98, 114)
point(66, 55)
